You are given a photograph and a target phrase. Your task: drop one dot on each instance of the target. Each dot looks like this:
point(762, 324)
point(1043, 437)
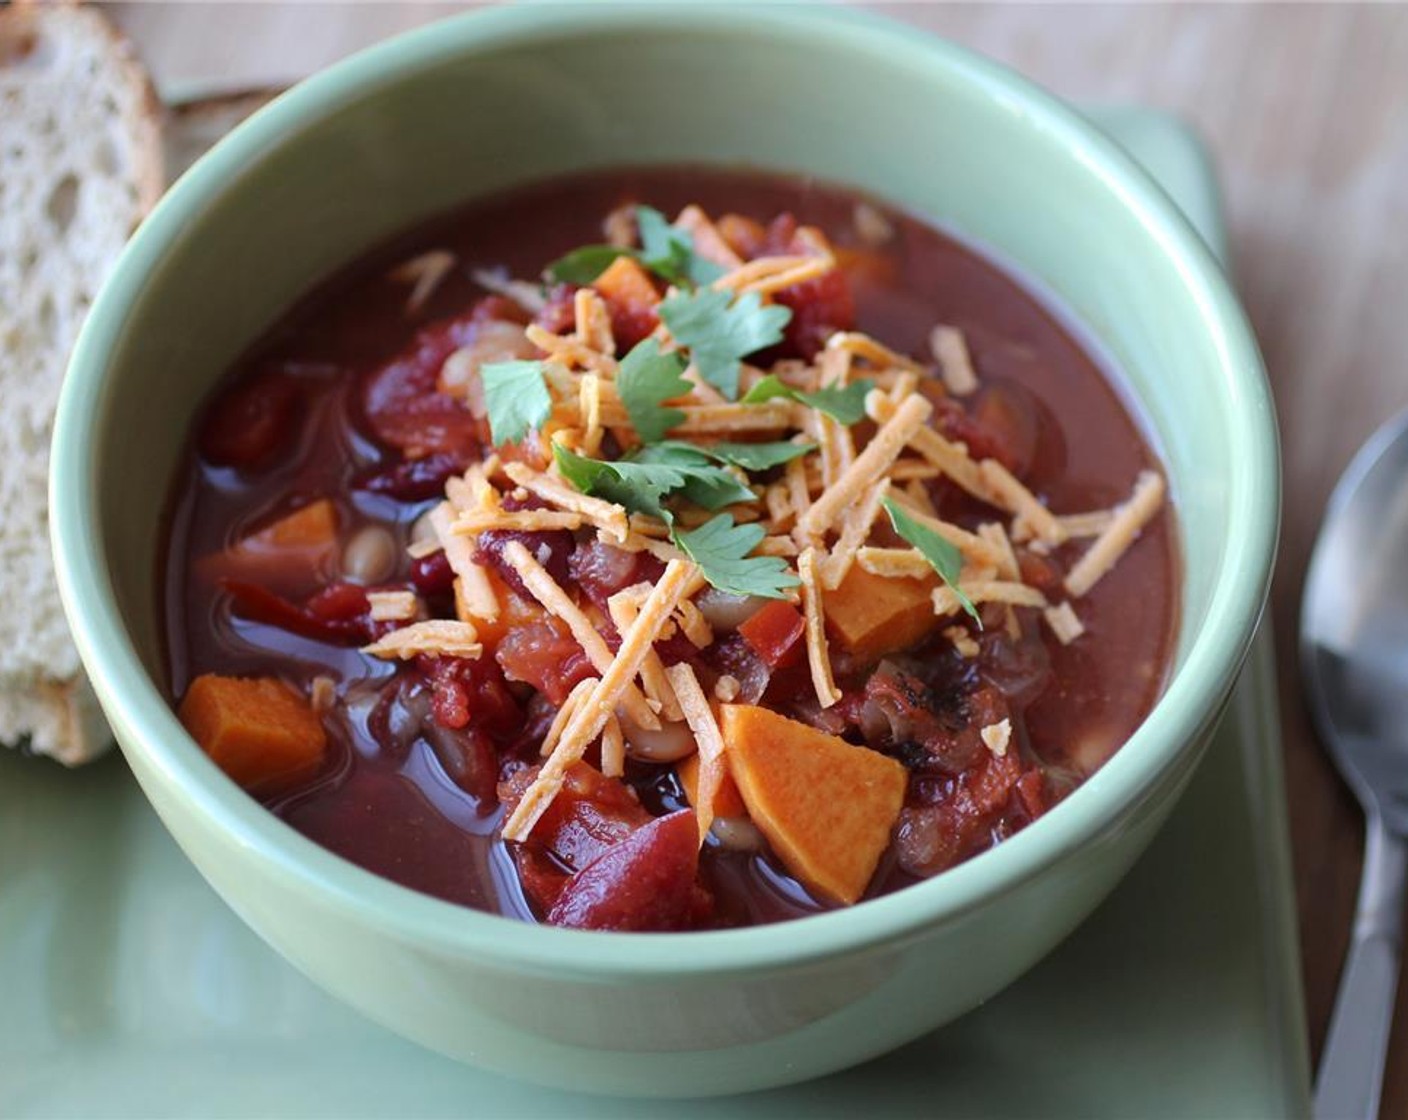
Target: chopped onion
point(726, 612)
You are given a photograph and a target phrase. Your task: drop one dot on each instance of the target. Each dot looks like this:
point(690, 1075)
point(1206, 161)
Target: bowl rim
point(148, 727)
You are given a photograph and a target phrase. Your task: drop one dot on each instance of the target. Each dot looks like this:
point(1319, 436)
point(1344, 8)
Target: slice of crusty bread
point(80, 164)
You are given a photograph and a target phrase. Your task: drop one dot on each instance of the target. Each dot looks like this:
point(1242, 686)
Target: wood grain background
point(1305, 109)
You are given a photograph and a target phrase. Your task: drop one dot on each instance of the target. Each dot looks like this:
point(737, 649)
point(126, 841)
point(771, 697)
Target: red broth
point(392, 795)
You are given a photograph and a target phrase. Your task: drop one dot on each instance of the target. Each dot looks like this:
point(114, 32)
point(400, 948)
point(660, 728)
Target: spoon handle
point(1352, 1065)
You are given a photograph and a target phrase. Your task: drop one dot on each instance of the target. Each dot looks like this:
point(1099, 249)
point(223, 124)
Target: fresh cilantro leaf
point(943, 555)
point(516, 397)
point(844, 404)
point(758, 456)
point(635, 487)
point(642, 487)
point(585, 264)
point(713, 488)
point(720, 331)
point(749, 456)
point(646, 378)
point(721, 549)
point(769, 388)
point(672, 452)
point(668, 251)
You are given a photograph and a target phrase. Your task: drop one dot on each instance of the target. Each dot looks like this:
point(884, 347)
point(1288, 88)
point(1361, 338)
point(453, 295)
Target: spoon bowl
point(1354, 661)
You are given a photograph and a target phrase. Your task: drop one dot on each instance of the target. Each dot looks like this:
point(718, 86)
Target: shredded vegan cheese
point(424, 273)
point(392, 606)
point(997, 736)
point(869, 467)
point(1064, 623)
point(436, 637)
point(559, 721)
point(624, 606)
point(593, 511)
point(558, 603)
point(1012, 496)
point(987, 591)
point(591, 715)
point(476, 590)
point(962, 641)
point(710, 741)
point(951, 351)
point(1123, 530)
point(855, 529)
point(613, 749)
point(818, 657)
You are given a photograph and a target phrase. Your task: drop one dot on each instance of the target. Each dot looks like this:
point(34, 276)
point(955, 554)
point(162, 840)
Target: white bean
point(737, 834)
point(422, 531)
point(370, 556)
point(493, 341)
point(672, 742)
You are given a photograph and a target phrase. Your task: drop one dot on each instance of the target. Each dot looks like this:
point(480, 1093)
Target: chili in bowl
point(722, 568)
point(402, 838)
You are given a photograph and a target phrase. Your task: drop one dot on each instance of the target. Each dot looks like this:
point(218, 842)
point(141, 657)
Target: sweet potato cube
point(872, 615)
point(258, 730)
point(627, 284)
point(514, 611)
point(826, 807)
point(728, 802)
point(310, 526)
point(299, 547)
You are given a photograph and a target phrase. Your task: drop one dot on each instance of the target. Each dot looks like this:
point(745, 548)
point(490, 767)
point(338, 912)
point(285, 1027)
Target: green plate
point(127, 988)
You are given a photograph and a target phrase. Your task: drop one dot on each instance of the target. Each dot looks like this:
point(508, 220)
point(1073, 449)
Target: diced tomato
point(339, 614)
point(644, 883)
point(250, 421)
point(542, 880)
point(1031, 790)
point(631, 323)
point(774, 632)
point(545, 655)
point(559, 314)
point(402, 402)
point(339, 602)
point(590, 813)
point(999, 422)
point(820, 308)
point(1011, 413)
point(1040, 572)
point(990, 783)
point(465, 689)
point(250, 601)
point(931, 838)
point(780, 239)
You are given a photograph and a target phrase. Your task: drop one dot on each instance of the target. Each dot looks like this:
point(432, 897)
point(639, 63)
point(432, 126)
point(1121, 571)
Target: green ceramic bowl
point(476, 104)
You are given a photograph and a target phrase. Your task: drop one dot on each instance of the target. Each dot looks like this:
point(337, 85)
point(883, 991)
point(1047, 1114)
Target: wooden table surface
point(1305, 109)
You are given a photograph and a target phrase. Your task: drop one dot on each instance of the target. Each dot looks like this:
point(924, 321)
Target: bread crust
point(78, 179)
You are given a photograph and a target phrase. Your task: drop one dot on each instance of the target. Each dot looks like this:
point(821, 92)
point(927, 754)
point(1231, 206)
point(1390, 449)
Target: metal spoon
point(1354, 659)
